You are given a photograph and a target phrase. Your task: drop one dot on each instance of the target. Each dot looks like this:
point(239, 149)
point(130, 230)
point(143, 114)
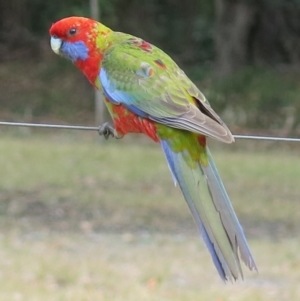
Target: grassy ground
point(87, 220)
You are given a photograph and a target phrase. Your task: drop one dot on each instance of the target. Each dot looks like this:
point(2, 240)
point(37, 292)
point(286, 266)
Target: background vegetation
point(243, 54)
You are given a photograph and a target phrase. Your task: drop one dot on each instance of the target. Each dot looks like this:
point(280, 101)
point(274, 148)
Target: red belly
point(127, 122)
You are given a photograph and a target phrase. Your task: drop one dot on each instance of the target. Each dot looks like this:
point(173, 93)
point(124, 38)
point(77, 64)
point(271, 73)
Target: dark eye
point(72, 31)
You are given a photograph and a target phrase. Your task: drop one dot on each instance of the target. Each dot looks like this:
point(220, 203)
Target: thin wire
point(95, 128)
point(51, 126)
point(267, 138)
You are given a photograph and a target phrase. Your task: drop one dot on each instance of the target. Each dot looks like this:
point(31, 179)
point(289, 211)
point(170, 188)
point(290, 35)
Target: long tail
point(210, 206)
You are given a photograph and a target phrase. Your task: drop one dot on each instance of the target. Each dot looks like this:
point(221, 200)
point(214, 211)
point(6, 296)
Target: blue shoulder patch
point(75, 51)
point(118, 97)
point(136, 111)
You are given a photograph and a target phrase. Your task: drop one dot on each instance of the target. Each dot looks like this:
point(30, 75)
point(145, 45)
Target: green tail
point(213, 213)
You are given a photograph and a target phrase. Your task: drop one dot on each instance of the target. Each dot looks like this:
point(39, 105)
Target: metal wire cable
point(266, 138)
point(50, 126)
point(95, 128)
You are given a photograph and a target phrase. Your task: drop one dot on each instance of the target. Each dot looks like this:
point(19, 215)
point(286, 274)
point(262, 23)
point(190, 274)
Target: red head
point(79, 39)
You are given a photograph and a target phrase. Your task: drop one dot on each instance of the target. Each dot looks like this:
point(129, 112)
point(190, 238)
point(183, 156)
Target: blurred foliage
point(259, 98)
point(261, 94)
point(43, 13)
point(173, 27)
point(53, 91)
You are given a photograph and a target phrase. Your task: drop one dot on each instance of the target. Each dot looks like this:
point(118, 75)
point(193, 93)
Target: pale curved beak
point(55, 44)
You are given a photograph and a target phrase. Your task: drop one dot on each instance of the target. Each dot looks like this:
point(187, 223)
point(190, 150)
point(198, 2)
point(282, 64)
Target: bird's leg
point(106, 129)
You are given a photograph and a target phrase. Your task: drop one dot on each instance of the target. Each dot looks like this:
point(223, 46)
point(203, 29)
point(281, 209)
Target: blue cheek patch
point(75, 51)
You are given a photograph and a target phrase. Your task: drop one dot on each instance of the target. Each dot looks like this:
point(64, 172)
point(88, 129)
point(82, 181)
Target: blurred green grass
point(86, 219)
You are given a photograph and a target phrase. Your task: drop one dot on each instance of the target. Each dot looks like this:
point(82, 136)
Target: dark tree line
point(253, 46)
point(232, 33)
point(250, 32)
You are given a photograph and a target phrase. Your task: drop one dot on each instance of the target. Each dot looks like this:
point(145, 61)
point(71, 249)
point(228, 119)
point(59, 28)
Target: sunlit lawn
point(84, 220)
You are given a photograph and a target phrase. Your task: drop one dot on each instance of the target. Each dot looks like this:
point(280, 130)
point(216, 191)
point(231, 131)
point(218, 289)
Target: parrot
point(146, 92)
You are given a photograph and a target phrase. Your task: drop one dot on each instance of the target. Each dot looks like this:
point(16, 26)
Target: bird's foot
point(106, 130)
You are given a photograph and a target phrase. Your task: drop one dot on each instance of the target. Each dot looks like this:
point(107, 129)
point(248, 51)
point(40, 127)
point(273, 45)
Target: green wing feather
point(148, 80)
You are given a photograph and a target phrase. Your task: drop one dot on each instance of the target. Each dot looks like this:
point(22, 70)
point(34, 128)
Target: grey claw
point(106, 130)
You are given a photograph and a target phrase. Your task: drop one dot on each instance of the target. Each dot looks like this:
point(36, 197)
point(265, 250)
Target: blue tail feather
point(212, 211)
point(171, 157)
